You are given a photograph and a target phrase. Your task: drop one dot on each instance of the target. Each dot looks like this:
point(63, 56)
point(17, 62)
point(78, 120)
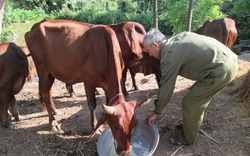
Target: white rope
point(114, 97)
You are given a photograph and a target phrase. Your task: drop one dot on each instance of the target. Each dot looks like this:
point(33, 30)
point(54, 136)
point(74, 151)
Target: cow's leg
point(90, 94)
point(14, 111)
point(123, 84)
point(134, 85)
point(70, 90)
point(45, 83)
point(51, 103)
point(45, 88)
point(4, 101)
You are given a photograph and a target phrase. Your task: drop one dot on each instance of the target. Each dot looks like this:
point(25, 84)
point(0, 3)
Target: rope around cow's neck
point(114, 97)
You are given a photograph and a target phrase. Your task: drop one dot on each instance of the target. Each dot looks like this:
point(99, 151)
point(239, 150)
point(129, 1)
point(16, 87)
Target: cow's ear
point(133, 103)
point(108, 109)
point(101, 121)
point(132, 39)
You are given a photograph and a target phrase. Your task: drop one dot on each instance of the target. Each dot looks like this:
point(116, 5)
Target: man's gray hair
point(154, 35)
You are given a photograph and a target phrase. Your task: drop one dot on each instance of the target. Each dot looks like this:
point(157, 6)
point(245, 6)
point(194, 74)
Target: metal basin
point(144, 140)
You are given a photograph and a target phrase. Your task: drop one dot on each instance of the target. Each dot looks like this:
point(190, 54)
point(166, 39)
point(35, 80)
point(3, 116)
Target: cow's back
point(107, 53)
point(217, 30)
point(222, 29)
point(55, 43)
point(68, 58)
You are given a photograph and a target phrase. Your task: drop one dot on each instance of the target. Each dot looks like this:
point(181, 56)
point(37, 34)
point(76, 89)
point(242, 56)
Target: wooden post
point(155, 8)
point(190, 14)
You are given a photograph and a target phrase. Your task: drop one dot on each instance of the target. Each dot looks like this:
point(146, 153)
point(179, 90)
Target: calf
point(14, 69)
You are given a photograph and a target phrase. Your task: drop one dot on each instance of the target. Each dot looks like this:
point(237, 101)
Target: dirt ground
point(227, 121)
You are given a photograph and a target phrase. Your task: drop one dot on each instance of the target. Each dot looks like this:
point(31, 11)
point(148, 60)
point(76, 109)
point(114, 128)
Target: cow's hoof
point(9, 125)
point(73, 95)
point(136, 88)
point(12, 126)
point(56, 128)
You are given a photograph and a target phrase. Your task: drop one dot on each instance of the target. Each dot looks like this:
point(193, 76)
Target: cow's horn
point(109, 109)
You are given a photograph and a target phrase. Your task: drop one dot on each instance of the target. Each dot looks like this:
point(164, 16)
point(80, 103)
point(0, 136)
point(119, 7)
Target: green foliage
point(6, 33)
point(103, 17)
point(172, 13)
point(144, 18)
point(239, 11)
point(68, 14)
point(12, 15)
point(176, 13)
point(206, 10)
point(110, 17)
point(18, 15)
point(129, 6)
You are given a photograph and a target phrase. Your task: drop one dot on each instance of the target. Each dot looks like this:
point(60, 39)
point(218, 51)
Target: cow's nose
point(127, 152)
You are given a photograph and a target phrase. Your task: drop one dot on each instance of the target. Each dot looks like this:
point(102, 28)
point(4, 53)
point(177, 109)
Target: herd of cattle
point(98, 56)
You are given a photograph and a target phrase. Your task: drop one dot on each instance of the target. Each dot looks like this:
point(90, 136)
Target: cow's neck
point(115, 93)
point(115, 79)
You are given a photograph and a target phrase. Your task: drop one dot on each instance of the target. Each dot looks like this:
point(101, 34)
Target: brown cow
point(93, 58)
point(130, 36)
point(14, 68)
point(222, 29)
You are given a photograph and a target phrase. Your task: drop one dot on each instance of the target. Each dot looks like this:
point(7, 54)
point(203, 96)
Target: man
point(203, 59)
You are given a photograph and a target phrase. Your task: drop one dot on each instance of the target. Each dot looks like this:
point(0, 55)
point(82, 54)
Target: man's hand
point(151, 118)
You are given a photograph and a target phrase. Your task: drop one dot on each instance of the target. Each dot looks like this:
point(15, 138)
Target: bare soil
point(227, 121)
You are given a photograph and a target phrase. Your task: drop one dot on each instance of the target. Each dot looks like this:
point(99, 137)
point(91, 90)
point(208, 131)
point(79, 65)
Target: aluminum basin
point(144, 140)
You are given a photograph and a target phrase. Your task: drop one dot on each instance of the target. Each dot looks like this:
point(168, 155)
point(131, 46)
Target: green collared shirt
point(192, 56)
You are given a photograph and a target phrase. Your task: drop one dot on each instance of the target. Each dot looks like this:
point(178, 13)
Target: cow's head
point(121, 120)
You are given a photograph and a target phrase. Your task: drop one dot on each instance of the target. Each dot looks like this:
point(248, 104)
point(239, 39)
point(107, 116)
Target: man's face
point(153, 50)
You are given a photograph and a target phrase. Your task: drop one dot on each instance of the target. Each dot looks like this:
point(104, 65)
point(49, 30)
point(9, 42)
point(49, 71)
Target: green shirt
point(192, 56)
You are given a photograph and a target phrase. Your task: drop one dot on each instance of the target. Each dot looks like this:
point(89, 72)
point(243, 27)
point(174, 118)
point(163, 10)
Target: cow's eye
point(119, 129)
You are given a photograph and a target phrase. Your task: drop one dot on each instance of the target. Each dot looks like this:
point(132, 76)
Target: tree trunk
point(2, 4)
point(190, 14)
point(107, 6)
point(155, 8)
point(123, 4)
